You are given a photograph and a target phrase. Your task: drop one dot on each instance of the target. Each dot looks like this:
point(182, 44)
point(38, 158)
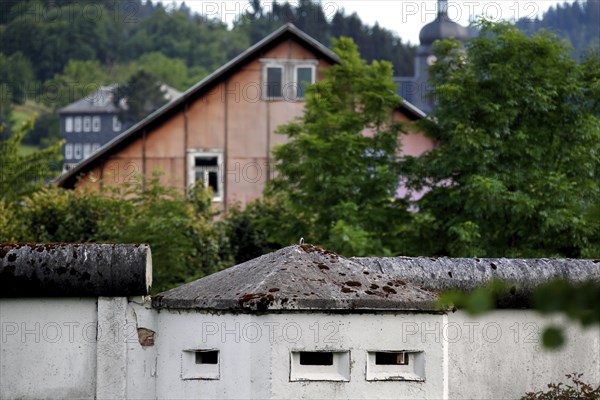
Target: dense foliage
point(517, 169)
point(138, 97)
point(336, 183)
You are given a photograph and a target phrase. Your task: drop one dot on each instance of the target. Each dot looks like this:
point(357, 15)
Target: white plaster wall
point(499, 355)
point(358, 333)
point(48, 348)
point(255, 354)
point(245, 367)
point(142, 361)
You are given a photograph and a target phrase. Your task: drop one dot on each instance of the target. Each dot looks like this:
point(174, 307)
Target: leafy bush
point(561, 391)
point(246, 233)
point(180, 230)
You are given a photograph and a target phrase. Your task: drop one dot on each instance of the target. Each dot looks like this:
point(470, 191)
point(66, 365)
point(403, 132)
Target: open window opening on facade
point(205, 168)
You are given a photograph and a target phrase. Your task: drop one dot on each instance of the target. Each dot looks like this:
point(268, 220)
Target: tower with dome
point(415, 89)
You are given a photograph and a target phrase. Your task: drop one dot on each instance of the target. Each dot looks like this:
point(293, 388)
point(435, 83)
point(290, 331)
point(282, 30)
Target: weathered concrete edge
point(439, 274)
point(273, 304)
point(74, 269)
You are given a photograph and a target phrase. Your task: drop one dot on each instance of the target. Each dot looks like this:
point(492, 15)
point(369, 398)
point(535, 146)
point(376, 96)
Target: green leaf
point(553, 338)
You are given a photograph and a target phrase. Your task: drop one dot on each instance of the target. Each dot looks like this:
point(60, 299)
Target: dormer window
point(287, 79)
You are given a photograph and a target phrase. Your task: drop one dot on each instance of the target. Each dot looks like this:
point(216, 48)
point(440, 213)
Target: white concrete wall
point(495, 356)
point(255, 354)
point(48, 348)
point(499, 355)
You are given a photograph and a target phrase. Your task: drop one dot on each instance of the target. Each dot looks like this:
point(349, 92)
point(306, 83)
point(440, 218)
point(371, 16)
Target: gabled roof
point(99, 101)
point(288, 30)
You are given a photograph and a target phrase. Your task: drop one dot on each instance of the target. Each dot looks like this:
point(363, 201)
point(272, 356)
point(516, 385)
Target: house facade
point(221, 131)
point(88, 124)
point(91, 122)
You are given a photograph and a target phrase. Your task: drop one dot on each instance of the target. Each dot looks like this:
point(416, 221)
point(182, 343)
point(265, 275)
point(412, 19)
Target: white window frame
point(192, 154)
point(87, 123)
point(289, 86)
point(77, 124)
point(68, 151)
point(77, 153)
point(69, 124)
point(87, 150)
point(116, 125)
point(96, 124)
point(95, 147)
point(312, 77)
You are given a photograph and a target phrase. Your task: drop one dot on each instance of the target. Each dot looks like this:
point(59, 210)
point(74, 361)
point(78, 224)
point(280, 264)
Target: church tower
point(441, 28)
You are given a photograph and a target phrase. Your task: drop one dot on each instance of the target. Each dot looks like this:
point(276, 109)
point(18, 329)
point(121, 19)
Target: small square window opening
point(316, 358)
point(201, 364)
point(320, 366)
point(391, 358)
point(396, 365)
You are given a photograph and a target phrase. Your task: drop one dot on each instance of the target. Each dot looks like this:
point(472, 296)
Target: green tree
point(6, 108)
point(138, 97)
point(78, 80)
point(16, 72)
point(49, 34)
point(45, 131)
point(338, 183)
point(171, 71)
point(517, 167)
point(24, 174)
